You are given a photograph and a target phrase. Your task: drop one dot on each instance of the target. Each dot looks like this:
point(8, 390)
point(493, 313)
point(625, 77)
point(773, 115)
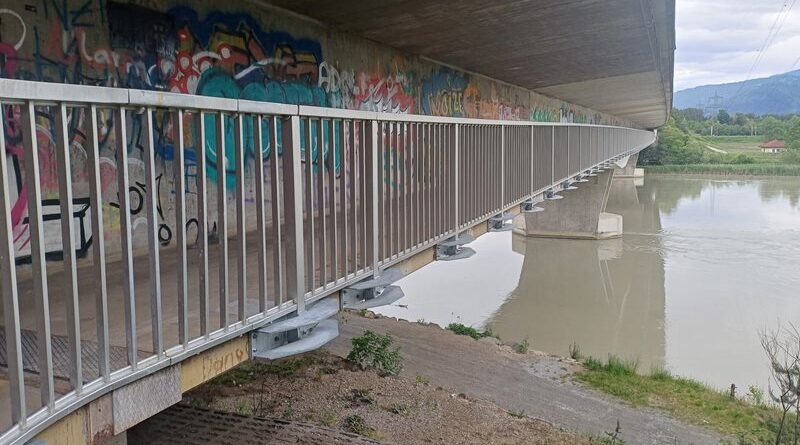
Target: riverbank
point(453, 389)
point(726, 169)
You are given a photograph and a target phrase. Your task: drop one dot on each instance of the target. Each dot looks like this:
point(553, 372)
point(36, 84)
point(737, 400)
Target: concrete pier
point(626, 167)
point(580, 215)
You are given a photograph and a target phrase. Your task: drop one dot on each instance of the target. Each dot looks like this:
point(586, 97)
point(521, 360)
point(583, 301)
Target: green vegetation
point(461, 329)
point(356, 424)
point(522, 347)
point(249, 371)
point(729, 169)
point(372, 350)
point(686, 145)
point(684, 398)
point(518, 414)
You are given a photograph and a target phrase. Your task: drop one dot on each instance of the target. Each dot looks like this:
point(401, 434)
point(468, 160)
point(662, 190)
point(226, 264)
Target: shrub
point(372, 350)
point(522, 347)
point(575, 351)
point(356, 424)
point(461, 329)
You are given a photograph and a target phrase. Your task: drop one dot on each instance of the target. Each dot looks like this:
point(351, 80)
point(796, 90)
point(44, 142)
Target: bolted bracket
point(373, 292)
point(529, 206)
point(296, 334)
point(501, 222)
point(453, 248)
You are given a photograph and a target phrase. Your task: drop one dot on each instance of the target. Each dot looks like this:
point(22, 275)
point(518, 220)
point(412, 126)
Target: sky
point(718, 41)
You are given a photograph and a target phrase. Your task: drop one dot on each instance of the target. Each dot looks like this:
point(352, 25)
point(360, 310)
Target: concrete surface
point(614, 56)
point(581, 214)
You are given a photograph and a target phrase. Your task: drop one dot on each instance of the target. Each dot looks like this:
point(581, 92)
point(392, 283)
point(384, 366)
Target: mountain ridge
point(777, 94)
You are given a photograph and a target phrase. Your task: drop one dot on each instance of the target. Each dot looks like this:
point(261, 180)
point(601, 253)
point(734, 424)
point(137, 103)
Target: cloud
point(719, 40)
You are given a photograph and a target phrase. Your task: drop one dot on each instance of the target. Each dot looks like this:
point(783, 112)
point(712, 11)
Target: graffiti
point(443, 94)
point(390, 94)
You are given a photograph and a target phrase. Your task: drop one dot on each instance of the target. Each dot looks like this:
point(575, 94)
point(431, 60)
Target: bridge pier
point(580, 215)
point(626, 167)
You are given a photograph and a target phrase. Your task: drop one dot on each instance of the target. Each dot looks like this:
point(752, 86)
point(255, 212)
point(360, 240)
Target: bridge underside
point(611, 56)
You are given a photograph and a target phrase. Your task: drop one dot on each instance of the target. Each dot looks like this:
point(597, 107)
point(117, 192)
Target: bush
point(372, 350)
point(461, 329)
point(522, 347)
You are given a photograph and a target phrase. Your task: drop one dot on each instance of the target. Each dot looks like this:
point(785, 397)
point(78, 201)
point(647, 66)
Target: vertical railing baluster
point(293, 189)
point(202, 221)
point(334, 235)
point(352, 175)
point(126, 235)
point(98, 245)
point(222, 220)
point(241, 219)
point(343, 236)
point(180, 231)
point(309, 196)
point(277, 205)
point(321, 199)
point(372, 191)
point(151, 209)
point(10, 294)
point(70, 285)
point(261, 215)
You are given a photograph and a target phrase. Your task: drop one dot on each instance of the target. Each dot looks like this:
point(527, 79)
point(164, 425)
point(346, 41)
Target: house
point(773, 146)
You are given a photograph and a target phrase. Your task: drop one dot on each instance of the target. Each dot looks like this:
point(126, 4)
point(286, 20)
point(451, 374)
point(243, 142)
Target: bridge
point(186, 188)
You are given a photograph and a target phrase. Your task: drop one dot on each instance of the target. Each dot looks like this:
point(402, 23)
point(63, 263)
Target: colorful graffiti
point(229, 54)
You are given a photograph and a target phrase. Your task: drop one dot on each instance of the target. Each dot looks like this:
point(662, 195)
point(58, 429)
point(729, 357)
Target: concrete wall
point(237, 49)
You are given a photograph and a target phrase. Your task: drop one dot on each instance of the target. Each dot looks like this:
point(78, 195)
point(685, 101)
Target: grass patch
point(728, 169)
point(249, 371)
point(462, 329)
point(685, 399)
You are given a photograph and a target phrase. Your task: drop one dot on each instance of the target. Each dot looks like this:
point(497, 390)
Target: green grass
point(728, 169)
point(461, 329)
point(685, 399)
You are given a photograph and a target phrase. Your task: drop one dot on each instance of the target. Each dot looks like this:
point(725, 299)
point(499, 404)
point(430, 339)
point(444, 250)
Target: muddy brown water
point(705, 263)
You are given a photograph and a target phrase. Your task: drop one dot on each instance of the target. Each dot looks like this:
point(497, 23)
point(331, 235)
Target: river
point(704, 265)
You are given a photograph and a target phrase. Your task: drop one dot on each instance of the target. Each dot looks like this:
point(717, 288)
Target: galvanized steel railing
point(321, 198)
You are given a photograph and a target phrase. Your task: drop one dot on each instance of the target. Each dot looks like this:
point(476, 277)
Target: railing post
point(502, 165)
point(530, 190)
point(371, 198)
point(457, 176)
point(553, 155)
point(293, 202)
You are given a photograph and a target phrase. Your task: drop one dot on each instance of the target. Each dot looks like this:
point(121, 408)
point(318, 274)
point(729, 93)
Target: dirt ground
point(324, 389)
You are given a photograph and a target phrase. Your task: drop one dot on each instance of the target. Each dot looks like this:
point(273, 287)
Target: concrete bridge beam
point(580, 215)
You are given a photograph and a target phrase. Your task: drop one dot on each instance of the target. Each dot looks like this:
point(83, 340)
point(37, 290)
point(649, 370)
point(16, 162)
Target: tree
point(723, 117)
point(740, 120)
point(792, 135)
point(772, 128)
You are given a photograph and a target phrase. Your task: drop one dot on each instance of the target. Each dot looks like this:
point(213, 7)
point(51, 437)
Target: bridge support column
point(626, 167)
point(580, 215)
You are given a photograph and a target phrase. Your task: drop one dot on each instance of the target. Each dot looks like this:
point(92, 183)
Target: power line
point(774, 30)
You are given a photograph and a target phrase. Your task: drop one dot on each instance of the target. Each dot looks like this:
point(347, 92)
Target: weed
point(611, 438)
point(423, 380)
point(522, 347)
point(359, 397)
point(756, 395)
point(244, 408)
point(288, 411)
point(241, 375)
point(518, 414)
point(618, 366)
point(462, 329)
point(575, 351)
point(422, 322)
point(356, 424)
point(660, 372)
point(593, 364)
point(372, 350)
point(399, 409)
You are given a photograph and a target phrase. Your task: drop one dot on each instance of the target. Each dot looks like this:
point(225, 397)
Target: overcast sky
point(718, 40)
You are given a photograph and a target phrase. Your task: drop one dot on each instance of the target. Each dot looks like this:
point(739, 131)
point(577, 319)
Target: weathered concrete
point(581, 214)
point(626, 167)
point(614, 56)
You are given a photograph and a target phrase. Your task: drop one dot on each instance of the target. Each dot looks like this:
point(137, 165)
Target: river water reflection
point(703, 266)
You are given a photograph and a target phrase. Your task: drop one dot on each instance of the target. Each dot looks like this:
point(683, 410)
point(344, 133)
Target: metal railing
point(265, 208)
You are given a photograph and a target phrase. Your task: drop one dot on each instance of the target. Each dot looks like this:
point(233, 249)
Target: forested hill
point(779, 94)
